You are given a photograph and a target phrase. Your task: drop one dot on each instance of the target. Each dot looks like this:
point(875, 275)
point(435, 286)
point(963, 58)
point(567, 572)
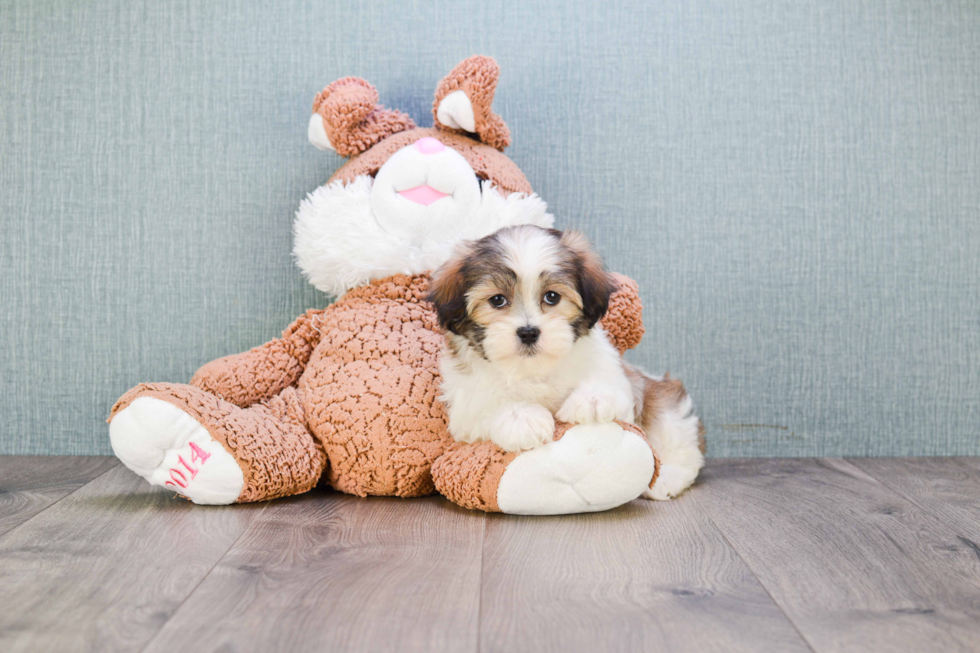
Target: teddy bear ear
point(464, 100)
point(348, 119)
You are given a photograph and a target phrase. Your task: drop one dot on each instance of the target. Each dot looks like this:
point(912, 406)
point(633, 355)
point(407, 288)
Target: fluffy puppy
point(521, 309)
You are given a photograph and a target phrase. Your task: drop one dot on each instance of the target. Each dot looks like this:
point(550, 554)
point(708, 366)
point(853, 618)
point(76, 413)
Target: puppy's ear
point(447, 290)
point(595, 285)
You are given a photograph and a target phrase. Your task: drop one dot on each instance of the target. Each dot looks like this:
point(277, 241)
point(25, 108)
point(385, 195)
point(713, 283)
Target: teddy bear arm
point(250, 377)
point(623, 321)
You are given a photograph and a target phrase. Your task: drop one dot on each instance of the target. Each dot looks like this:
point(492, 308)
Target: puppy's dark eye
point(551, 298)
point(498, 301)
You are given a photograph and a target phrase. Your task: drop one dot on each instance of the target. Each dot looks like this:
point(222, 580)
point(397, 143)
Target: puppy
point(521, 311)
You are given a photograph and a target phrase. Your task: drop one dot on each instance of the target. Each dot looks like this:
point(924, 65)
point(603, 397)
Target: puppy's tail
point(665, 412)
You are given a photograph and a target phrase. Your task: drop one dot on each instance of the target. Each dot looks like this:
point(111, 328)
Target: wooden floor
point(762, 555)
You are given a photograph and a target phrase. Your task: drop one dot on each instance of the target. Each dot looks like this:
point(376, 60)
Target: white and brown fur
point(516, 359)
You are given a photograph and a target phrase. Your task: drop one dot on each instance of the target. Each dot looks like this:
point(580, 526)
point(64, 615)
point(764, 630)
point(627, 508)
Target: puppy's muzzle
point(528, 334)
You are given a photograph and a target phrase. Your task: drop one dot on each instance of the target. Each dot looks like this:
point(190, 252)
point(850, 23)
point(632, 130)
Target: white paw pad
point(593, 467)
point(169, 448)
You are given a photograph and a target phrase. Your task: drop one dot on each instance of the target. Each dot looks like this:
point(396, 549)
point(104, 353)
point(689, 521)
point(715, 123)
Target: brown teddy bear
point(348, 395)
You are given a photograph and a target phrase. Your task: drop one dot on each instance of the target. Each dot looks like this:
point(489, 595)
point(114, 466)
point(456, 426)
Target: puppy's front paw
point(591, 404)
point(523, 426)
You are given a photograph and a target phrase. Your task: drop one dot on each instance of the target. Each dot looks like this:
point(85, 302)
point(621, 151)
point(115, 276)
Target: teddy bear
point(348, 396)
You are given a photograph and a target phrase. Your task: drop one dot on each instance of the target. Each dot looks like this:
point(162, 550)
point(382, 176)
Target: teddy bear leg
point(587, 468)
point(213, 452)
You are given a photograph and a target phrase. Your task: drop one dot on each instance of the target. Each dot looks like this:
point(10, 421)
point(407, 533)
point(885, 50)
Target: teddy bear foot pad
point(169, 448)
point(593, 467)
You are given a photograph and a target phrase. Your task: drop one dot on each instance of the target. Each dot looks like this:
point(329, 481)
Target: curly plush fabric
point(265, 371)
point(470, 475)
point(277, 454)
point(486, 161)
point(371, 389)
point(477, 77)
point(355, 384)
point(623, 321)
point(352, 117)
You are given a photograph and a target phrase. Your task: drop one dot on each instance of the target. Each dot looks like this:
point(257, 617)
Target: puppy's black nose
point(528, 334)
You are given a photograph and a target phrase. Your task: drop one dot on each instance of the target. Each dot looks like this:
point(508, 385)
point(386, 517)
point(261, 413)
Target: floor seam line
point(44, 510)
point(203, 578)
point(902, 495)
point(745, 562)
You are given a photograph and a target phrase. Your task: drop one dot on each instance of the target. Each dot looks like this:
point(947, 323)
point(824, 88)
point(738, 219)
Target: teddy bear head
point(408, 195)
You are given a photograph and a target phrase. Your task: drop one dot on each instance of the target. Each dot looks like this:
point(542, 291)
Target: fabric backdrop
point(795, 185)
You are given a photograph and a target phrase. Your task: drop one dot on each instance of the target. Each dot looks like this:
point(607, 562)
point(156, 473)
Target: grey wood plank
point(854, 565)
point(947, 488)
point(104, 568)
point(648, 576)
point(970, 461)
point(341, 573)
point(29, 484)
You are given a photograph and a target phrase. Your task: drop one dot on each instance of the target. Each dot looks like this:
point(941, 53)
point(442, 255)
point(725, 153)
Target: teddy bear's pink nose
point(429, 145)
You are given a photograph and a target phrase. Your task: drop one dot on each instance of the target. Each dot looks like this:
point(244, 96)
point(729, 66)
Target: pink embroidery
point(197, 455)
point(174, 473)
point(192, 470)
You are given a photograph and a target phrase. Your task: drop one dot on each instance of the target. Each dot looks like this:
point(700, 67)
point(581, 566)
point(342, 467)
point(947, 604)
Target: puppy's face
point(521, 297)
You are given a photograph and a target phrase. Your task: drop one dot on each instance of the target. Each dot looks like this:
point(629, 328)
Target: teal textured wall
point(795, 185)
